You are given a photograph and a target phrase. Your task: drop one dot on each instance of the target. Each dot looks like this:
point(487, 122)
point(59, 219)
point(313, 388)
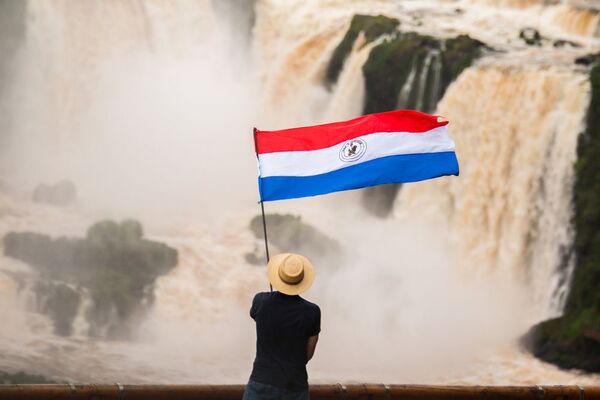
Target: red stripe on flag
point(327, 135)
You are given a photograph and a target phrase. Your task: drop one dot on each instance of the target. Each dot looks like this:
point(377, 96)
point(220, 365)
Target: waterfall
point(423, 92)
point(133, 74)
point(574, 20)
point(69, 46)
point(423, 80)
point(290, 41)
point(512, 3)
point(407, 87)
point(580, 18)
point(434, 94)
point(516, 130)
point(349, 91)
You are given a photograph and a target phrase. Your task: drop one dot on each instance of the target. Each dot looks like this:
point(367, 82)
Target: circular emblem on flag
point(352, 150)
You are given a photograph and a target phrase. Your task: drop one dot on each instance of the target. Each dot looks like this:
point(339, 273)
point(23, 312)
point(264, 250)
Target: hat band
point(291, 280)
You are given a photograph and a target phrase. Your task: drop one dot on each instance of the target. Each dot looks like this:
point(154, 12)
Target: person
point(287, 331)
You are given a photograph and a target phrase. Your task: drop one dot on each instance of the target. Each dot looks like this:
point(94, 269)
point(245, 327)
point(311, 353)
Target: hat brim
point(286, 288)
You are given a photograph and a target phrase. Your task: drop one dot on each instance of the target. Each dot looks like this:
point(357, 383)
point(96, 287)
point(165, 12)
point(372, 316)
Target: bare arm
point(311, 346)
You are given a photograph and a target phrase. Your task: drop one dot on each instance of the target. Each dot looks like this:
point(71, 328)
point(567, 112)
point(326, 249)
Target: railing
point(317, 392)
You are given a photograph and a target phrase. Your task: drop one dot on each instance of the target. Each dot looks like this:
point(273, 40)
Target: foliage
point(458, 54)
point(21, 378)
point(371, 26)
point(113, 262)
point(390, 63)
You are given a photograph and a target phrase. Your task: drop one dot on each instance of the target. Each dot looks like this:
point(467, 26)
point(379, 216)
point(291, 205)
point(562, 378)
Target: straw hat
point(290, 273)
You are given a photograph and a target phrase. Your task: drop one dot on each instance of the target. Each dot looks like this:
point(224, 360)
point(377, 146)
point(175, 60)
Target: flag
point(390, 147)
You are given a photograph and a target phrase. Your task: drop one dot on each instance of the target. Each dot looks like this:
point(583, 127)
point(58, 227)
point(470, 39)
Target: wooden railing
point(317, 392)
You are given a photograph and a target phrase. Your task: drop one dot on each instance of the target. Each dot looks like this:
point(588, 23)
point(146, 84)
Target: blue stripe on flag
point(392, 169)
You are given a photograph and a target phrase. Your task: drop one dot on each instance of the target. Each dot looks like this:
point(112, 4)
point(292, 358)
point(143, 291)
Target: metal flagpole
point(262, 209)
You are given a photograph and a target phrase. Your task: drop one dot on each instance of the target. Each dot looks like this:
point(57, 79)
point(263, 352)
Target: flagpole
point(262, 209)
point(264, 221)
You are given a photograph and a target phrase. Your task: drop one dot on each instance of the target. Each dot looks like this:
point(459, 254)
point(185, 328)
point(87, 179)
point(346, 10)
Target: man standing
point(287, 330)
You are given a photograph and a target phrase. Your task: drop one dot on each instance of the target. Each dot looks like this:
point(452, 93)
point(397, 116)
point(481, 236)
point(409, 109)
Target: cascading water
point(130, 81)
point(519, 159)
point(407, 87)
point(436, 78)
point(580, 18)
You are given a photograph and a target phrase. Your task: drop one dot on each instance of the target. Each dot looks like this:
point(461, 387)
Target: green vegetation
point(113, 263)
point(573, 340)
point(371, 26)
point(458, 54)
point(388, 67)
point(21, 378)
point(289, 234)
point(390, 64)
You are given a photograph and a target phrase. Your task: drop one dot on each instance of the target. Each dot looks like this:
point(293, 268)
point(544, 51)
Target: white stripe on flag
point(381, 144)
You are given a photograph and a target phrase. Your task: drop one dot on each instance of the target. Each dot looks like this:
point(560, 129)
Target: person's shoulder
point(262, 296)
point(311, 306)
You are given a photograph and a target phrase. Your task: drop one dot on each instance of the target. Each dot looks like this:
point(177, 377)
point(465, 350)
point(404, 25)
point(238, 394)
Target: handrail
point(317, 392)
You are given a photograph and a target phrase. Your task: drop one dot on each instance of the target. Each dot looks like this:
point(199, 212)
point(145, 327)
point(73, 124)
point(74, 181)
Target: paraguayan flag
point(390, 147)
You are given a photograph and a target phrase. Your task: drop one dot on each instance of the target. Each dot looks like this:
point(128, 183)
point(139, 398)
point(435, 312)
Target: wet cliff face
point(573, 340)
point(403, 70)
point(372, 27)
point(587, 211)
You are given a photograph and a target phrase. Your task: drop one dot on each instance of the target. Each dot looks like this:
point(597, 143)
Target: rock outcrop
point(372, 27)
point(406, 70)
point(288, 233)
point(114, 264)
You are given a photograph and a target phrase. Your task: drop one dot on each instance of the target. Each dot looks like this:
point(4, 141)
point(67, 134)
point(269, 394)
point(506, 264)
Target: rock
point(531, 36)
point(561, 342)
point(564, 43)
point(61, 194)
point(588, 59)
point(571, 341)
point(114, 263)
point(371, 26)
point(287, 233)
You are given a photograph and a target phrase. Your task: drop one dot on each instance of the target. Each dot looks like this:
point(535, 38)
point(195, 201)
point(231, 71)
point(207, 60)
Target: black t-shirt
point(283, 325)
